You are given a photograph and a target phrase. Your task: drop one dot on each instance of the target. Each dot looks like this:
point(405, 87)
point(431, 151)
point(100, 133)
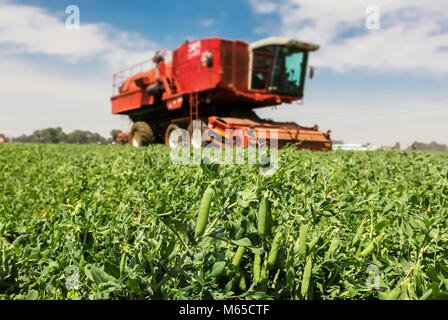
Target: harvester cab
point(220, 83)
point(278, 66)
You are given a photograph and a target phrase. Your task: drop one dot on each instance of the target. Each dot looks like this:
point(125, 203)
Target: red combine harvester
point(4, 140)
point(220, 83)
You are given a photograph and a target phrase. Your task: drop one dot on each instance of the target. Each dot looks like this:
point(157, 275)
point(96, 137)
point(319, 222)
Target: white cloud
point(52, 76)
point(412, 33)
point(412, 38)
point(263, 6)
point(34, 97)
point(33, 30)
point(206, 22)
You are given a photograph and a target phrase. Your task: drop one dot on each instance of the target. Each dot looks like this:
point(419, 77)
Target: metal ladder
point(194, 106)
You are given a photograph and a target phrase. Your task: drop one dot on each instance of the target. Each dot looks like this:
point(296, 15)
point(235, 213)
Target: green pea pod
point(358, 234)
point(204, 208)
point(257, 268)
point(290, 257)
point(264, 275)
point(274, 282)
point(123, 264)
point(313, 243)
point(417, 276)
point(274, 249)
point(238, 257)
point(303, 234)
point(306, 277)
point(333, 245)
point(263, 218)
point(290, 273)
point(242, 284)
point(368, 250)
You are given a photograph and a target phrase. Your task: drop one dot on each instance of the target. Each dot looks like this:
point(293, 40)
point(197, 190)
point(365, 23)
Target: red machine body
point(4, 140)
point(215, 78)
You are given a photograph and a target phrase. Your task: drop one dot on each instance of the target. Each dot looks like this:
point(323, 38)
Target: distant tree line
point(57, 135)
point(433, 146)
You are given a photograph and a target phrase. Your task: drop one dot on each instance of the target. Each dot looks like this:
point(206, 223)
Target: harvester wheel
point(141, 134)
point(174, 140)
point(193, 143)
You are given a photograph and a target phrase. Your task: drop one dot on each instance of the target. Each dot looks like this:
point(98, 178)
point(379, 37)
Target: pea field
point(114, 222)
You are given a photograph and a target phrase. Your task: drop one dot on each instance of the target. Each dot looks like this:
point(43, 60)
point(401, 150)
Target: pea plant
point(112, 222)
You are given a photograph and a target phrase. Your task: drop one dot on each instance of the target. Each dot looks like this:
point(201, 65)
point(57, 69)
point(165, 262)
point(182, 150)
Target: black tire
point(190, 132)
point(141, 135)
point(169, 141)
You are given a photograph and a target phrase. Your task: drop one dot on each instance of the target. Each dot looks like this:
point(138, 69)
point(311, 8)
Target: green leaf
point(426, 295)
point(245, 242)
point(135, 288)
point(228, 287)
point(100, 276)
point(51, 286)
point(21, 240)
point(218, 268)
point(112, 269)
point(388, 207)
point(32, 295)
point(258, 251)
point(217, 231)
point(246, 197)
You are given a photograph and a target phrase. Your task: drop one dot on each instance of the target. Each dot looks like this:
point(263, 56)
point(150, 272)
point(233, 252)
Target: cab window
point(261, 70)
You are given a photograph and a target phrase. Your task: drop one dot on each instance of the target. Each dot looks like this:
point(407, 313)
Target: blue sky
point(169, 22)
point(379, 86)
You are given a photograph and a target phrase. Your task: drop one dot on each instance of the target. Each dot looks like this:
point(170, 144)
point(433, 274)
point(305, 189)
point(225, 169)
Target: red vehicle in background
point(3, 139)
point(220, 83)
point(123, 137)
